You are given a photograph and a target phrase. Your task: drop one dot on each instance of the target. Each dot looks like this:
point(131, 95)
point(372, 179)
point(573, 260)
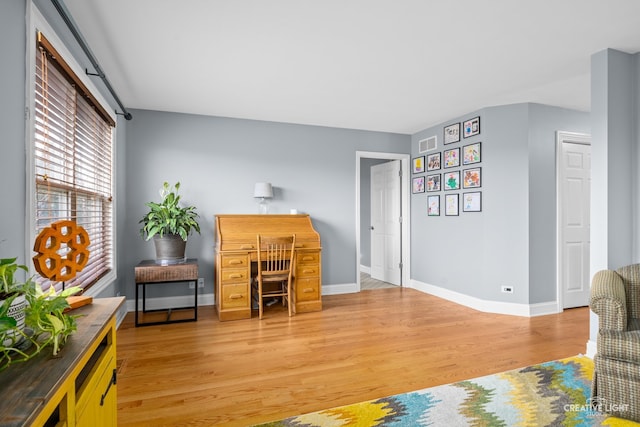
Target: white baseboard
point(209, 299)
point(498, 307)
point(592, 348)
point(342, 288)
point(365, 269)
point(176, 301)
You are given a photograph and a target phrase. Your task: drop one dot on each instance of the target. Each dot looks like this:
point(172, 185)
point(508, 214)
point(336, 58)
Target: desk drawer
point(235, 295)
point(235, 275)
point(307, 289)
point(235, 261)
point(307, 257)
point(239, 246)
point(308, 270)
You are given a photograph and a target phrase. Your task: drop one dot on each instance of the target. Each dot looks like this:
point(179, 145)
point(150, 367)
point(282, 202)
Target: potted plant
point(40, 323)
point(169, 225)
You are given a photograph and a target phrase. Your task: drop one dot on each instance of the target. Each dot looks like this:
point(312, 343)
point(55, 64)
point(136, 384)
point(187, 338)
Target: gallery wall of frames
point(451, 175)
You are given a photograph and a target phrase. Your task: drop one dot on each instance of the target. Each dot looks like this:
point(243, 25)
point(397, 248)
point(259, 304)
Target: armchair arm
point(608, 300)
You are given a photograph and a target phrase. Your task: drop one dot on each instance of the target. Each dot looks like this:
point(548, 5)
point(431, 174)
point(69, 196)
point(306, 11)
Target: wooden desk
point(75, 388)
point(236, 242)
point(148, 272)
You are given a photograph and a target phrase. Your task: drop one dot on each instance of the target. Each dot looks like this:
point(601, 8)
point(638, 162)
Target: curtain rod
point(66, 16)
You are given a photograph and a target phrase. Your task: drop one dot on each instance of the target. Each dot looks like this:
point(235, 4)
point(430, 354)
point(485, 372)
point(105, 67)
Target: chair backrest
point(275, 253)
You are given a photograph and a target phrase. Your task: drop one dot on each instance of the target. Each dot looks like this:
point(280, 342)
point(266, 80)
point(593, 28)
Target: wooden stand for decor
point(148, 272)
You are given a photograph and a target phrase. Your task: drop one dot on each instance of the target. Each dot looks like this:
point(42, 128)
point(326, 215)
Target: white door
point(575, 175)
point(385, 222)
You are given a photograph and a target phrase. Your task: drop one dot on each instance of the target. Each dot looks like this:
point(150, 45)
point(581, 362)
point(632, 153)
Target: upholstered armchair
point(615, 298)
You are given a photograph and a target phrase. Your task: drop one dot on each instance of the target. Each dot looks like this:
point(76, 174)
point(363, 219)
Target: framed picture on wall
point(471, 154)
point(471, 178)
point(451, 180)
point(433, 162)
point(433, 182)
point(418, 164)
point(452, 158)
point(418, 185)
point(472, 202)
point(452, 133)
point(433, 205)
point(471, 127)
point(451, 205)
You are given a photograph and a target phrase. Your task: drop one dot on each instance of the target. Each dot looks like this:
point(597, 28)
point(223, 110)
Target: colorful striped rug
point(549, 394)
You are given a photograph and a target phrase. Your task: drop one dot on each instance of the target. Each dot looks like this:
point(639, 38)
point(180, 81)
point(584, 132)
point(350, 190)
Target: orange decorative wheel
point(62, 250)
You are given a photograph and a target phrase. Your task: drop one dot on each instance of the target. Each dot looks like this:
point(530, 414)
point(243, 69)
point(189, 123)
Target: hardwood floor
point(361, 346)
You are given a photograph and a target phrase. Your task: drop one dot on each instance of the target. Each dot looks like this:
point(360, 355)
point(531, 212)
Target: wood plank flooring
point(361, 346)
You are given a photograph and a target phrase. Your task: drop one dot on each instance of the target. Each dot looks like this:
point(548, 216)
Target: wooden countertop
point(26, 387)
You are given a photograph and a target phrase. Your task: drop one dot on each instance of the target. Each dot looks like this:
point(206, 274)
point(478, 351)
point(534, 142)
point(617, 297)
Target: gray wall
point(218, 161)
point(512, 241)
point(615, 242)
point(12, 105)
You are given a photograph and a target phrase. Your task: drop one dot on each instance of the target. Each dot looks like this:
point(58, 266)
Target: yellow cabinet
point(75, 388)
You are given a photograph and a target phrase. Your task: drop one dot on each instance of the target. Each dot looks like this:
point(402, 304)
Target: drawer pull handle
point(112, 382)
point(246, 246)
point(235, 276)
point(307, 271)
point(307, 258)
point(308, 290)
point(235, 296)
point(235, 262)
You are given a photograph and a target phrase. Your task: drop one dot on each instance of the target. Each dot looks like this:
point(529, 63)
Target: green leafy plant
point(8, 285)
point(46, 324)
point(167, 217)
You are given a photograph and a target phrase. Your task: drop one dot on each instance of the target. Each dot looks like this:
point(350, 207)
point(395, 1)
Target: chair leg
point(289, 296)
point(260, 299)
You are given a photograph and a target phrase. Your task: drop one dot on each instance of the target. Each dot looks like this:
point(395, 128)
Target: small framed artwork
point(418, 185)
point(433, 182)
point(433, 162)
point(471, 178)
point(471, 127)
point(452, 133)
point(418, 164)
point(472, 202)
point(452, 158)
point(451, 205)
point(451, 180)
point(433, 205)
point(471, 154)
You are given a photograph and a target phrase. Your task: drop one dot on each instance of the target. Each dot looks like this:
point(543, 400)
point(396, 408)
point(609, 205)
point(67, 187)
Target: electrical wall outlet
point(507, 289)
point(201, 282)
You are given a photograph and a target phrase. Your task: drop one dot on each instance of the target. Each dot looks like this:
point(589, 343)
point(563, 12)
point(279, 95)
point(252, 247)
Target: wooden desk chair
point(275, 266)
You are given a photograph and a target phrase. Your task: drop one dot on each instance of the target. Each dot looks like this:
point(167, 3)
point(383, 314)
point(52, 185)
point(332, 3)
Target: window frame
point(37, 22)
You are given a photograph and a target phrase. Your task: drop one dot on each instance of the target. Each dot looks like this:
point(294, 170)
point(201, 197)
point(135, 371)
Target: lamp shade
point(263, 190)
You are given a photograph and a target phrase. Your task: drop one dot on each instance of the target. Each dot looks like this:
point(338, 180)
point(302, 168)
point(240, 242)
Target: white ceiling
point(385, 65)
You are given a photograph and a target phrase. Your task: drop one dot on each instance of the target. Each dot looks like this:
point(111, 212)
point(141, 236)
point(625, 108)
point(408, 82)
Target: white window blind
point(73, 161)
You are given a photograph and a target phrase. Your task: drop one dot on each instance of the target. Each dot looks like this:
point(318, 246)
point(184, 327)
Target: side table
point(148, 272)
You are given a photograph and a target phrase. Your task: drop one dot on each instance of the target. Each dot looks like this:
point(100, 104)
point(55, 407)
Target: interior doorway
point(573, 183)
point(364, 163)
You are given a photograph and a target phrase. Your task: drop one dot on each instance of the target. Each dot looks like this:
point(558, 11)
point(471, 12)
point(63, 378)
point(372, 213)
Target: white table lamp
point(263, 191)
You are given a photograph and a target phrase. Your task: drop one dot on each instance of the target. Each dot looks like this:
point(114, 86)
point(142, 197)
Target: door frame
point(573, 138)
point(404, 210)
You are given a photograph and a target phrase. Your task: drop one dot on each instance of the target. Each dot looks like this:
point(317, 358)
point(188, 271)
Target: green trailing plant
point(8, 285)
point(168, 217)
point(46, 324)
